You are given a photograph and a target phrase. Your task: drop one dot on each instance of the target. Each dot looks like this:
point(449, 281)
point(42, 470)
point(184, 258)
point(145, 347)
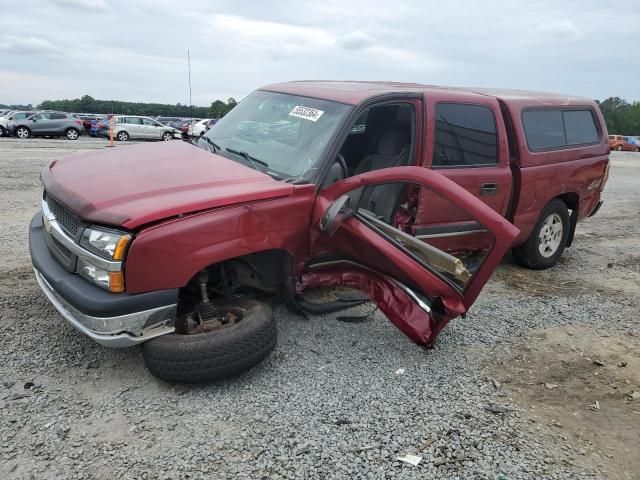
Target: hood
point(135, 185)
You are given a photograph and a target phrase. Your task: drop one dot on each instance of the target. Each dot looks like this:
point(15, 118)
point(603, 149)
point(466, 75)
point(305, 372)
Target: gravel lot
point(331, 402)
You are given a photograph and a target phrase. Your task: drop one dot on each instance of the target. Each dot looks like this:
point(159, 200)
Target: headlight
point(112, 281)
point(109, 244)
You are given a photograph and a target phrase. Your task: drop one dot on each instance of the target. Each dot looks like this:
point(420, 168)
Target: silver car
point(13, 116)
point(48, 124)
point(142, 128)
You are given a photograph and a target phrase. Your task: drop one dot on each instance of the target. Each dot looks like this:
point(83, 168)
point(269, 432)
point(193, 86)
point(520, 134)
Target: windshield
point(286, 133)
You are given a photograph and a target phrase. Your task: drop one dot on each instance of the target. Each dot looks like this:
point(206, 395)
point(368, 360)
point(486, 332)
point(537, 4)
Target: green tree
point(621, 117)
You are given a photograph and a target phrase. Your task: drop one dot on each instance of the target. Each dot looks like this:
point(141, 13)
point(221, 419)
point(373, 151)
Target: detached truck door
point(466, 141)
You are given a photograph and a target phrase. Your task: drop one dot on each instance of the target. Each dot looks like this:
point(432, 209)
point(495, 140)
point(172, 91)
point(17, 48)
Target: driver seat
point(392, 151)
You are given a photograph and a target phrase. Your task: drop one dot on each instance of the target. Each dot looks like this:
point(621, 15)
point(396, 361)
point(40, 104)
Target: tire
point(122, 136)
point(167, 136)
point(72, 134)
point(3, 132)
point(218, 354)
point(619, 148)
point(23, 133)
point(548, 238)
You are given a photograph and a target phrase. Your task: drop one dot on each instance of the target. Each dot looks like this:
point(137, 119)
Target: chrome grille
point(65, 217)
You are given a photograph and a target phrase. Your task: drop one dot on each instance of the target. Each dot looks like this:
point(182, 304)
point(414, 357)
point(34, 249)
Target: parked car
point(87, 119)
point(410, 193)
point(134, 127)
point(4, 112)
point(47, 124)
point(183, 125)
point(13, 116)
point(623, 143)
point(198, 128)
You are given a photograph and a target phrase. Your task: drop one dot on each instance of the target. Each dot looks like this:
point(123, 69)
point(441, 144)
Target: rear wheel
point(72, 134)
point(232, 336)
point(167, 136)
point(548, 238)
point(122, 136)
point(23, 132)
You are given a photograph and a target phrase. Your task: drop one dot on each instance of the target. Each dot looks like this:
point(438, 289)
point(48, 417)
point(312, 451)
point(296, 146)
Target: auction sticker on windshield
point(307, 113)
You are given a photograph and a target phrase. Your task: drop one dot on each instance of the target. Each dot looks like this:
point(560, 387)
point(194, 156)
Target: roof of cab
point(355, 92)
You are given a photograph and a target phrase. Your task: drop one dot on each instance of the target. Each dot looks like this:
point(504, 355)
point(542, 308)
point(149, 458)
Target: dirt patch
point(584, 388)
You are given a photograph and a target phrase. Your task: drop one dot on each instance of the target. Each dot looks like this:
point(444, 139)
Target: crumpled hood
point(135, 185)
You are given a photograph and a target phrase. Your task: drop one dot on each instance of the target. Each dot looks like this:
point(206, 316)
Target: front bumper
point(111, 319)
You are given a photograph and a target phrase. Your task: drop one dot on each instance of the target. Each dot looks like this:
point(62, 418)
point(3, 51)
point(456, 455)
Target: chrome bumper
point(116, 332)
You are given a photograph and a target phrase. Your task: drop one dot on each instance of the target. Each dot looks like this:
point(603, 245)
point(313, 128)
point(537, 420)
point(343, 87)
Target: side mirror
point(337, 213)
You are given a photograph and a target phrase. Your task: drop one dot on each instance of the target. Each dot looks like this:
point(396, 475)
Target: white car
point(199, 128)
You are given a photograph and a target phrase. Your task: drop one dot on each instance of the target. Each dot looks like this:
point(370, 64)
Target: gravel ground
point(334, 400)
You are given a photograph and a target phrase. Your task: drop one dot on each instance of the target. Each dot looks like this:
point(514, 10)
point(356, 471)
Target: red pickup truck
point(409, 193)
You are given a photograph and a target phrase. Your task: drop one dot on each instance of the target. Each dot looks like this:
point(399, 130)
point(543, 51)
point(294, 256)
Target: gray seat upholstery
point(391, 147)
point(393, 150)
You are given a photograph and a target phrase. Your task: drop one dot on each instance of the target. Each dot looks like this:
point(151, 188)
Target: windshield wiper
point(252, 160)
point(214, 146)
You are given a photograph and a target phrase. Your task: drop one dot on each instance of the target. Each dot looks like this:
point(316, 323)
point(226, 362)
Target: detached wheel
point(167, 136)
point(23, 132)
point(548, 238)
point(72, 134)
point(238, 335)
point(122, 136)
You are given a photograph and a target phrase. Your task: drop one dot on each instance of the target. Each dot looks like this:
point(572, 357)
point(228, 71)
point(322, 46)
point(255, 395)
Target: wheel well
point(572, 201)
point(264, 271)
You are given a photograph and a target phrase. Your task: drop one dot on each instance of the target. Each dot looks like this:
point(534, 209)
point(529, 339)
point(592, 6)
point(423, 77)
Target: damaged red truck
point(409, 193)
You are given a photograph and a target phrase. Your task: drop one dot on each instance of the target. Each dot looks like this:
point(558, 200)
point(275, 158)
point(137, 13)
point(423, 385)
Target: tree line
point(620, 116)
point(88, 104)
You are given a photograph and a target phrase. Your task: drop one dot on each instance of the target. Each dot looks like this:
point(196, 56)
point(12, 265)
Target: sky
point(135, 50)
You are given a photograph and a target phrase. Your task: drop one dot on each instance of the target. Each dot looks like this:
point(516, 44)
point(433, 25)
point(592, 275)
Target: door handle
point(488, 189)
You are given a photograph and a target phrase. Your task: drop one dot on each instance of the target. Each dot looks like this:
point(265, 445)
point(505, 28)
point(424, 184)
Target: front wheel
point(3, 132)
point(167, 136)
point(72, 134)
point(122, 136)
point(548, 238)
point(237, 335)
point(23, 132)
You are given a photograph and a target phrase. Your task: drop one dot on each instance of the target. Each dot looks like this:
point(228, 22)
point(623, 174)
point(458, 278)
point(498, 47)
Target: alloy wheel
point(550, 235)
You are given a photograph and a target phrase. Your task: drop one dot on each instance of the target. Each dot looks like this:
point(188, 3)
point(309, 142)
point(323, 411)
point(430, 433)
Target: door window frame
point(417, 125)
point(466, 166)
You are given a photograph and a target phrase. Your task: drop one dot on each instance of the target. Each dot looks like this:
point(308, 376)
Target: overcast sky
point(136, 49)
